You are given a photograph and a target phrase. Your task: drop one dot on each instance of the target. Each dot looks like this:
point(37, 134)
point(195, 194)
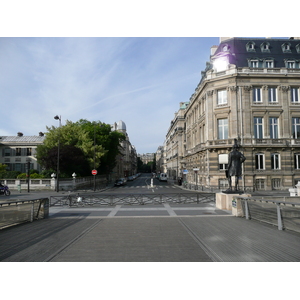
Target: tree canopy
point(83, 146)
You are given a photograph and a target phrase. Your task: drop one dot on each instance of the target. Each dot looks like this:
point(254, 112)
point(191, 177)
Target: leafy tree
point(83, 145)
point(110, 140)
point(71, 159)
point(9, 174)
point(3, 167)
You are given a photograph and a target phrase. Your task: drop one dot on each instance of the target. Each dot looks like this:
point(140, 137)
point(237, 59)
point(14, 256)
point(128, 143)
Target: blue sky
point(140, 81)
point(108, 61)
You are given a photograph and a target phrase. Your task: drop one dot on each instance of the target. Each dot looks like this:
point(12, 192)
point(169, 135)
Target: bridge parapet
point(20, 211)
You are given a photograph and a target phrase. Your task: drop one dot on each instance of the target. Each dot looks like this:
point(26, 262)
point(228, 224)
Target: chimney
point(222, 39)
point(213, 50)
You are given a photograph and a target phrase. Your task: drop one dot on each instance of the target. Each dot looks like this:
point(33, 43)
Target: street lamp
point(57, 178)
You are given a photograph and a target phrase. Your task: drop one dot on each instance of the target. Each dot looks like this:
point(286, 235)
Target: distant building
point(160, 160)
point(17, 151)
point(146, 158)
point(176, 143)
point(127, 160)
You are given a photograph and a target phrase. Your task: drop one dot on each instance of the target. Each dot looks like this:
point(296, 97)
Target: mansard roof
point(240, 50)
point(22, 139)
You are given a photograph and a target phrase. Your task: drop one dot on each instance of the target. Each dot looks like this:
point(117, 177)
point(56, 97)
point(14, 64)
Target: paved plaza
point(154, 233)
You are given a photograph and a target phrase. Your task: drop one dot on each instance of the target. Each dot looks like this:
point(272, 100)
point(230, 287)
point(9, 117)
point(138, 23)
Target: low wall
point(34, 184)
point(50, 184)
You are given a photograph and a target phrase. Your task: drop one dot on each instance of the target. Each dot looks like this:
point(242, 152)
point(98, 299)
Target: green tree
point(110, 140)
point(3, 168)
point(84, 145)
point(76, 148)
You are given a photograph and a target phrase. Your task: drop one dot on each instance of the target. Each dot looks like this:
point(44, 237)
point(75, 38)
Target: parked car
point(121, 181)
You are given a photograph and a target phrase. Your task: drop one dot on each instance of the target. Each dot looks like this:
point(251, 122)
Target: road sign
point(94, 172)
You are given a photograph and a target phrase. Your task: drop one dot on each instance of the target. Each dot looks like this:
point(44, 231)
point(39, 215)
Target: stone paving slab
point(135, 240)
point(94, 234)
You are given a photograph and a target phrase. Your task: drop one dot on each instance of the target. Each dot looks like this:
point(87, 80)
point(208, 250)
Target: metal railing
point(20, 211)
point(280, 213)
point(130, 199)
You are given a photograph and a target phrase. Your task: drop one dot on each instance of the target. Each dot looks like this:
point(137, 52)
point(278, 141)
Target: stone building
point(249, 91)
point(160, 160)
point(175, 143)
point(17, 151)
point(127, 160)
point(146, 157)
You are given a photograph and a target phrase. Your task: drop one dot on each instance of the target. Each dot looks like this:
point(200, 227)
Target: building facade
point(146, 157)
point(176, 144)
point(127, 160)
point(19, 151)
point(248, 91)
point(160, 160)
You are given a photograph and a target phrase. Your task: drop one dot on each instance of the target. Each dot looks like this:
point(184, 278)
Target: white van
point(163, 177)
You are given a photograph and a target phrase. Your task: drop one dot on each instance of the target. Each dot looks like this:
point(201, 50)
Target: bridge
point(142, 228)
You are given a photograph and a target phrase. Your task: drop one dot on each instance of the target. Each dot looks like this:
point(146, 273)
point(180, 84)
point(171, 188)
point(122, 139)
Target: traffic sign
point(94, 172)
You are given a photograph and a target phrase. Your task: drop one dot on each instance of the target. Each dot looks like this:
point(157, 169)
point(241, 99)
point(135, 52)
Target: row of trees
point(83, 146)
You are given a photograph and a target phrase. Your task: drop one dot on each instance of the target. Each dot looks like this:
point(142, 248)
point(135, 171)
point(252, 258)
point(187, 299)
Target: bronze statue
point(235, 160)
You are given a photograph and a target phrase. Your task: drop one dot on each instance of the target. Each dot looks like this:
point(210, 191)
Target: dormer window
point(298, 48)
point(225, 48)
point(253, 63)
point(286, 47)
point(291, 63)
point(268, 63)
point(250, 46)
point(265, 47)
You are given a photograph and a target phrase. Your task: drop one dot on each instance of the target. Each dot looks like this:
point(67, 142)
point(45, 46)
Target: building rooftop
point(240, 50)
point(21, 139)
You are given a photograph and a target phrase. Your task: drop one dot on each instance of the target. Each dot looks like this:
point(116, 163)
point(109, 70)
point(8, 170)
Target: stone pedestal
point(227, 202)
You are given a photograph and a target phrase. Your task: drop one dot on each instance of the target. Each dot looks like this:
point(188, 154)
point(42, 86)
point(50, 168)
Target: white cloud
point(138, 80)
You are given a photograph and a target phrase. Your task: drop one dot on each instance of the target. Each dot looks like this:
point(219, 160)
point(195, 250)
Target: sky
point(107, 61)
point(139, 80)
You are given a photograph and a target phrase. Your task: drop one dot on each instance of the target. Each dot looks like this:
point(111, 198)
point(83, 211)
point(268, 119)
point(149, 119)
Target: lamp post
point(57, 178)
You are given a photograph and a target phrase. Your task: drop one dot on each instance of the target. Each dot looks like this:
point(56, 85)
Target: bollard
point(279, 219)
point(246, 210)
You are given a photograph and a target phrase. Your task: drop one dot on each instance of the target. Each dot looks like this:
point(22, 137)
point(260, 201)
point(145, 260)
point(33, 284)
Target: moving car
point(163, 177)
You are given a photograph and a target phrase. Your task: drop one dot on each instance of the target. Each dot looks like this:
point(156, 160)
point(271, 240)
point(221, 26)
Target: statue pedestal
point(225, 201)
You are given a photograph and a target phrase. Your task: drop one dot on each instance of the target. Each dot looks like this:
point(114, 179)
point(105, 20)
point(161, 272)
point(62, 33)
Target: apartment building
point(248, 91)
point(127, 160)
point(176, 143)
point(17, 151)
